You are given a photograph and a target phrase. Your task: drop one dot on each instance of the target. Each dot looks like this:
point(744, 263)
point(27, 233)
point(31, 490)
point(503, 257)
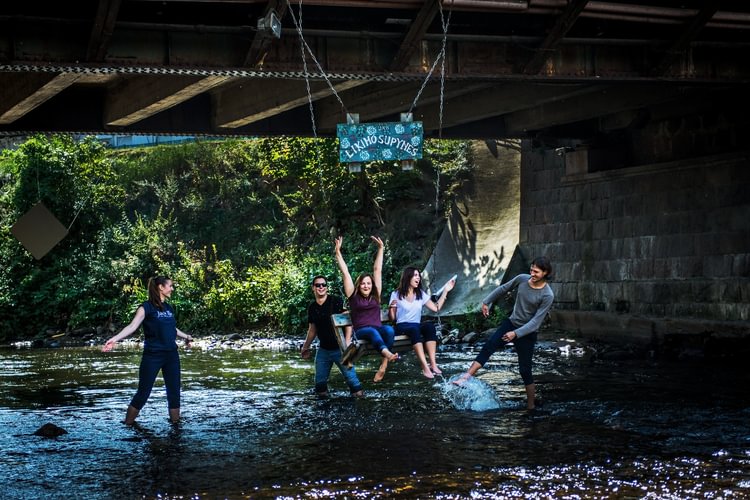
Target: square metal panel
point(38, 230)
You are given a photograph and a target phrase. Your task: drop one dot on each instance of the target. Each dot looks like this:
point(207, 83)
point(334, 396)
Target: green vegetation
point(240, 225)
point(472, 321)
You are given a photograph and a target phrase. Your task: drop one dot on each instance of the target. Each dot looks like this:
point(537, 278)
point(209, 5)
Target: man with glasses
point(320, 325)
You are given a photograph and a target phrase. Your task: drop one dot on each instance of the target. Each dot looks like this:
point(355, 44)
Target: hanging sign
point(361, 142)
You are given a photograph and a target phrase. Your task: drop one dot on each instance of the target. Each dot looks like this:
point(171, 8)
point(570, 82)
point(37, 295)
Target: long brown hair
point(374, 293)
point(404, 284)
point(154, 297)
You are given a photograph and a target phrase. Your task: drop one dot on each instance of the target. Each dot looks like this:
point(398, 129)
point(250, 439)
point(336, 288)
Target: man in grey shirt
point(533, 301)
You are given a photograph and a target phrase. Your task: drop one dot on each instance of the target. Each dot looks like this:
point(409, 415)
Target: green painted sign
point(362, 142)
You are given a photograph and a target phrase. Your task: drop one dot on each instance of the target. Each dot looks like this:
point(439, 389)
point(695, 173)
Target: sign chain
point(298, 25)
point(440, 57)
point(304, 67)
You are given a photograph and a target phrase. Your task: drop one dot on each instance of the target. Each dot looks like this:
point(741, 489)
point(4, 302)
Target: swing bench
point(402, 343)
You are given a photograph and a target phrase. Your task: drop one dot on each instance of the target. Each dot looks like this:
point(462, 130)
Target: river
point(624, 427)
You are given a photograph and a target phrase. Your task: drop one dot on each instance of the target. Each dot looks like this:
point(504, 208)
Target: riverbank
point(596, 348)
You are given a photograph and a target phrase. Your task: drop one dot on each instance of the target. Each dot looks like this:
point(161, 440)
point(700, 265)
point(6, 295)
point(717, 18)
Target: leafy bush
point(241, 226)
point(472, 319)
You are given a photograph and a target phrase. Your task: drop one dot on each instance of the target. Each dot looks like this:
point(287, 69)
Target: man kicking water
point(533, 301)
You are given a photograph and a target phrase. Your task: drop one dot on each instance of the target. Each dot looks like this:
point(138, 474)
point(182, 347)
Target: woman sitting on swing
point(364, 306)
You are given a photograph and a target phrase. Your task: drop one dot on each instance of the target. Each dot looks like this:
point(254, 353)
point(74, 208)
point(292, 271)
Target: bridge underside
point(633, 117)
point(539, 69)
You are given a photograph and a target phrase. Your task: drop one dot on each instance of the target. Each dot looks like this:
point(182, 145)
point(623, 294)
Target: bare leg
point(530, 396)
point(419, 350)
point(131, 414)
point(474, 368)
point(383, 367)
point(431, 346)
point(174, 415)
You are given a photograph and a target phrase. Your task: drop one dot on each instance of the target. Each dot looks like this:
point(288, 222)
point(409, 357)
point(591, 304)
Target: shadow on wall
point(482, 228)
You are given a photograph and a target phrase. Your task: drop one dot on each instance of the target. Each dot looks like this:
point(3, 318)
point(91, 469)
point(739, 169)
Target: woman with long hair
point(159, 348)
point(364, 305)
point(405, 309)
point(533, 300)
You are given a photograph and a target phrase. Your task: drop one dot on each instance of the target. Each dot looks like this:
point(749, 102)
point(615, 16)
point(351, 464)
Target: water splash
point(473, 394)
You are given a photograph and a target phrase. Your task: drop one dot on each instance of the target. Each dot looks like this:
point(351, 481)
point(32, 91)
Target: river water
point(629, 427)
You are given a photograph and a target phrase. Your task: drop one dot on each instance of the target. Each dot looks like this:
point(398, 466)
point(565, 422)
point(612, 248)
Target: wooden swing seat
point(402, 343)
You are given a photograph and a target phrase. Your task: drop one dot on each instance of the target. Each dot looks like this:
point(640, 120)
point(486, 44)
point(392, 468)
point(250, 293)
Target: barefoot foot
point(379, 375)
point(436, 370)
point(427, 373)
point(462, 379)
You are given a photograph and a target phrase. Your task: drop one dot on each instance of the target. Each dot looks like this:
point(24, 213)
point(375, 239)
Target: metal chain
point(312, 55)
point(239, 73)
point(444, 23)
point(303, 44)
point(440, 57)
point(304, 66)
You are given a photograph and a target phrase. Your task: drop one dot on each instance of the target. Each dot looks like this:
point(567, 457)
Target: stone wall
point(643, 251)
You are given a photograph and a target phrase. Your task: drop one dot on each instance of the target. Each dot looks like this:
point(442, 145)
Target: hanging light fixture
point(270, 24)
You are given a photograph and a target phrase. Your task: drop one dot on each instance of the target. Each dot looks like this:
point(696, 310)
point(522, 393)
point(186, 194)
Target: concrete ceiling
point(513, 68)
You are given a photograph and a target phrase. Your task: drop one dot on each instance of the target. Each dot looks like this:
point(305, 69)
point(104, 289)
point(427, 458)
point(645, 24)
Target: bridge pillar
point(642, 252)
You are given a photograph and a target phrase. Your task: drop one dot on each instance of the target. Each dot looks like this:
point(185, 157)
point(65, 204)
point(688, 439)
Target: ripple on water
point(252, 427)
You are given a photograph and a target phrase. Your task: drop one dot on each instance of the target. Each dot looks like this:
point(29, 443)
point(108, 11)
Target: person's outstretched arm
point(345, 276)
point(377, 266)
point(497, 292)
point(188, 338)
point(140, 315)
point(436, 306)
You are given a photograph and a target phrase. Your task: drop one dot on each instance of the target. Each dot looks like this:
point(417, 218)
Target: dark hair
point(544, 264)
point(375, 293)
point(403, 285)
point(154, 297)
point(317, 277)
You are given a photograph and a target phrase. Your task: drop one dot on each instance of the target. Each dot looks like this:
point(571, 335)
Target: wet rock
point(470, 337)
point(234, 336)
point(50, 430)
point(80, 332)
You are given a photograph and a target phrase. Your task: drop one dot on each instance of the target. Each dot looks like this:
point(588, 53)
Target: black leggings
point(524, 348)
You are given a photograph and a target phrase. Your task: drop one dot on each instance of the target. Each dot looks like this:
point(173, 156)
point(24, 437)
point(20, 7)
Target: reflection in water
point(253, 428)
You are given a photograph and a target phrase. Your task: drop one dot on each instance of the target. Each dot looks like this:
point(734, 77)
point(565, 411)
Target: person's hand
point(449, 286)
point(337, 244)
point(377, 240)
point(305, 352)
point(485, 310)
point(188, 341)
point(108, 345)
point(509, 336)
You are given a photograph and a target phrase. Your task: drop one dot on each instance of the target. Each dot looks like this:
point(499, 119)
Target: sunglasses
point(320, 285)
